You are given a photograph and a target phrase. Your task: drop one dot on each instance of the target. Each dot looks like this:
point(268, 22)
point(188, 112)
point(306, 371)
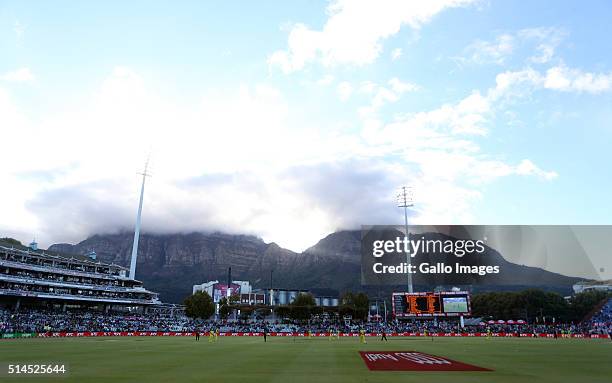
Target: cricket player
point(211, 335)
point(362, 338)
point(384, 336)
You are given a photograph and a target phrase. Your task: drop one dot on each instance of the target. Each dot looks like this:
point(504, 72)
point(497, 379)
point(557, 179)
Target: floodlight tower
point(137, 228)
point(405, 199)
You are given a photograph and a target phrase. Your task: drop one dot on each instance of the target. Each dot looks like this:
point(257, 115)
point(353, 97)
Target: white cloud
point(382, 95)
point(438, 142)
point(565, 79)
point(506, 81)
point(344, 89)
point(467, 116)
point(484, 52)
point(396, 53)
point(526, 167)
point(400, 87)
point(547, 40)
point(472, 114)
point(354, 31)
point(543, 42)
point(18, 75)
point(87, 154)
point(325, 80)
point(447, 166)
point(237, 162)
point(19, 29)
point(367, 87)
point(15, 129)
point(559, 78)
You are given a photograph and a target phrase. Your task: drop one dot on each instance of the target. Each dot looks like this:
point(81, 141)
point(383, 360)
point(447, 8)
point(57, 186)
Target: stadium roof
point(50, 253)
point(595, 283)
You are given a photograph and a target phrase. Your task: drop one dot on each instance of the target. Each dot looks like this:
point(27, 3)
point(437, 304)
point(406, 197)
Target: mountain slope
point(172, 263)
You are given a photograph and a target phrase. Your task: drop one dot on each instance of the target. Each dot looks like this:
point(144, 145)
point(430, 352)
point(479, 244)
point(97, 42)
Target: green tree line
point(534, 303)
point(527, 304)
point(303, 307)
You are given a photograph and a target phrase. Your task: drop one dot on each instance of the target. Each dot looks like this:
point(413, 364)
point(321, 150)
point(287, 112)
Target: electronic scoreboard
point(431, 304)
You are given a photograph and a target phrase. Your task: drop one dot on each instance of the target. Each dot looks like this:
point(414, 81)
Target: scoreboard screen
point(429, 304)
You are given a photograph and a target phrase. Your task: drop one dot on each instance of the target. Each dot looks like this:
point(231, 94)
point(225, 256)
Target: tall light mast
point(405, 199)
point(137, 228)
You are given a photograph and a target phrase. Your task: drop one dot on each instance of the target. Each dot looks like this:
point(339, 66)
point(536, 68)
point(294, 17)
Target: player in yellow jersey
point(426, 334)
point(211, 335)
point(362, 338)
point(216, 334)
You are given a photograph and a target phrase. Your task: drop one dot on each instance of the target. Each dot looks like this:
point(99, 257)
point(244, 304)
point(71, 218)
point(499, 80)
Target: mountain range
point(171, 264)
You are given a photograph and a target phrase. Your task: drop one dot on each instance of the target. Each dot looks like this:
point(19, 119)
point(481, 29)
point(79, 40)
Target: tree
point(282, 311)
point(301, 307)
point(199, 305)
point(532, 303)
point(224, 308)
point(346, 310)
point(583, 303)
point(362, 305)
point(526, 304)
point(355, 305)
point(234, 298)
point(304, 299)
point(348, 299)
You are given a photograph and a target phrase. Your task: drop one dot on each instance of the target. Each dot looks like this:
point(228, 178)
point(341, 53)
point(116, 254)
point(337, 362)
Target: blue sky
point(289, 120)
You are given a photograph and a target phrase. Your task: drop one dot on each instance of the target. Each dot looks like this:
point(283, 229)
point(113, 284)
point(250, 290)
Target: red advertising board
point(300, 334)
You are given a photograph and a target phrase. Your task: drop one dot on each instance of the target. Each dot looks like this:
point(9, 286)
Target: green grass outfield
point(283, 359)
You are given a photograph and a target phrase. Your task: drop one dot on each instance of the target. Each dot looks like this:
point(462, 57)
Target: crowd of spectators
point(29, 320)
point(603, 316)
point(51, 290)
point(38, 320)
point(60, 278)
point(48, 261)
